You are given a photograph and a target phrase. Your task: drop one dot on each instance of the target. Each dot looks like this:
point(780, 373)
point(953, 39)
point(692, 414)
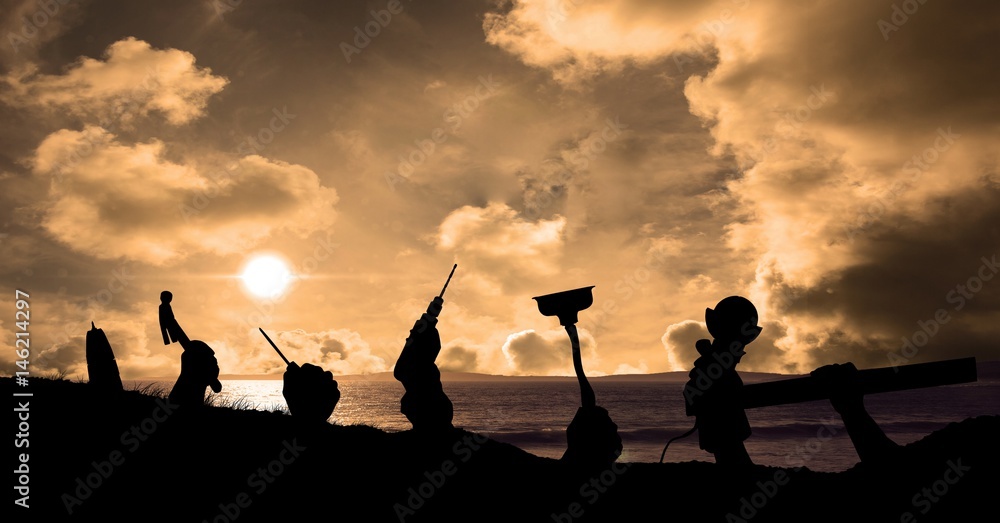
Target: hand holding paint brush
point(311, 392)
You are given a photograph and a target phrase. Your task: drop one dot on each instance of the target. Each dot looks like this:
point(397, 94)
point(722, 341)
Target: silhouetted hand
point(199, 369)
point(592, 438)
point(416, 360)
point(311, 392)
point(841, 383)
point(435, 306)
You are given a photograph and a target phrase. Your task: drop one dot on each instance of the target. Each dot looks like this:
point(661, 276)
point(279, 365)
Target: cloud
point(131, 80)
point(769, 152)
point(9, 365)
point(67, 356)
point(546, 189)
point(679, 340)
point(499, 244)
point(625, 368)
point(29, 24)
point(547, 353)
point(128, 340)
point(340, 351)
point(842, 166)
point(665, 247)
point(458, 359)
point(579, 39)
point(112, 200)
point(851, 153)
point(763, 355)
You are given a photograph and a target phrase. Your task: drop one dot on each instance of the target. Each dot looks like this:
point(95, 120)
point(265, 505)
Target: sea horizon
point(987, 368)
point(532, 413)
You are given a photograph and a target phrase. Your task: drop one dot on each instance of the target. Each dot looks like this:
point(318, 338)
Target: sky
point(834, 162)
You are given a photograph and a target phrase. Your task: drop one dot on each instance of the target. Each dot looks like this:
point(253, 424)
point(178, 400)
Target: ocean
point(533, 416)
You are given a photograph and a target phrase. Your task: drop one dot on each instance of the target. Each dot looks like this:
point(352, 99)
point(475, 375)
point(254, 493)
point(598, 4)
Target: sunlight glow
point(266, 276)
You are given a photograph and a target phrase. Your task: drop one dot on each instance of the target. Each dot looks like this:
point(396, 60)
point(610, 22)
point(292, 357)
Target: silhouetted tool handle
point(587, 397)
point(871, 381)
point(268, 338)
point(434, 309)
point(452, 273)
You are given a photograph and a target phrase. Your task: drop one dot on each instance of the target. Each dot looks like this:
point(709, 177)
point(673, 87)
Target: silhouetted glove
point(435, 306)
point(199, 369)
point(704, 347)
point(416, 360)
point(311, 392)
point(592, 438)
point(840, 381)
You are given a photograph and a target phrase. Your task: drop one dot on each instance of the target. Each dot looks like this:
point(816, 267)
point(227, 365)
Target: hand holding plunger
point(592, 437)
point(566, 305)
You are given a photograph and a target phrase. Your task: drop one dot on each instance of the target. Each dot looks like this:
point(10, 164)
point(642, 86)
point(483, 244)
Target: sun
point(266, 276)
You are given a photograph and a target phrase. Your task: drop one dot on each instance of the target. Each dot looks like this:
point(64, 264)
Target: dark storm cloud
point(930, 276)
point(458, 359)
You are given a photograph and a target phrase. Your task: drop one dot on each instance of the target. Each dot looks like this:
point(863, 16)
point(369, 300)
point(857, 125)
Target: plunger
point(566, 305)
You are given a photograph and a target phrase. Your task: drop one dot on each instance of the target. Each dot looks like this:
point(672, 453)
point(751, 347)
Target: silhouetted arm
point(870, 441)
